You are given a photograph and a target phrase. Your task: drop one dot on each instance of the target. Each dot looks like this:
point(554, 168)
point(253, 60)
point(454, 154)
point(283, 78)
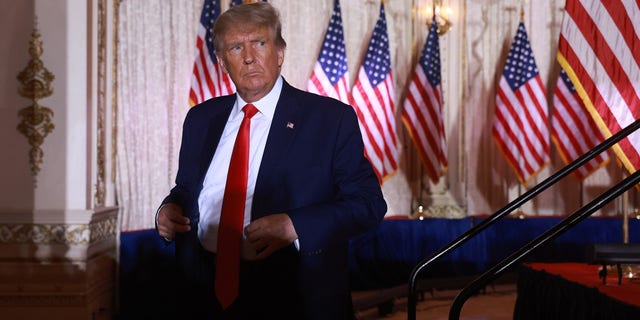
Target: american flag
point(422, 113)
point(330, 75)
point(208, 80)
point(573, 131)
point(520, 124)
point(373, 101)
point(599, 48)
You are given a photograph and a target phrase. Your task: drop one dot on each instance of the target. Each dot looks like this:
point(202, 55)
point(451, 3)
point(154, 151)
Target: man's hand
point(171, 221)
point(270, 233)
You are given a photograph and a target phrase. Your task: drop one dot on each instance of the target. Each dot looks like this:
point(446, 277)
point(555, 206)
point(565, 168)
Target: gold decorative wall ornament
point(68, 234)
point(35, 84)
point(442, 14)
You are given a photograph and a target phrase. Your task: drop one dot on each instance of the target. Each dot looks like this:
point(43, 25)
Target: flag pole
point(416, 212)
point(419, 211)
point(463, 109)
point(625, 215)
point(519, 213)
point(415, 158)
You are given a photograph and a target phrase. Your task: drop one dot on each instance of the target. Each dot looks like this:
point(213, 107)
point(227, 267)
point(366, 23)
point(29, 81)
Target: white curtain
point(155, 58)
point(156, 49)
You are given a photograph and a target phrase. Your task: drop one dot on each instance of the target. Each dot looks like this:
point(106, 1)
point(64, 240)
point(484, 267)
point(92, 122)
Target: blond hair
point(259, 14)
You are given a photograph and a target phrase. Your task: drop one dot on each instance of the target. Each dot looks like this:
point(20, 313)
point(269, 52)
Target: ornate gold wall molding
point(107, 54)
point(35, 84)
point(114, 91)
point(69, 234)
point(100, 193)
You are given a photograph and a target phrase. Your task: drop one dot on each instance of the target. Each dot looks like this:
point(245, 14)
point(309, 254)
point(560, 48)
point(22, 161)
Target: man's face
point(252, 60)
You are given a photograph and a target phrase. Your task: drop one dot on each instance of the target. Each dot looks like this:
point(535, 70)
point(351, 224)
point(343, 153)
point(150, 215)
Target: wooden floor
point(496, 303)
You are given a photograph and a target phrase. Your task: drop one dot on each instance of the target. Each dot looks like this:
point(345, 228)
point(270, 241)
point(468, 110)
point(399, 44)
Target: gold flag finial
point(521, 12)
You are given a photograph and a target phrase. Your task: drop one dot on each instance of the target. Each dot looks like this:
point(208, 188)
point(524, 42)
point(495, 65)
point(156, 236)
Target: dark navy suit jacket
point(313, 169)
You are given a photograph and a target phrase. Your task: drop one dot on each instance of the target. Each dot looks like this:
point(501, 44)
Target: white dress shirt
point(210, 199)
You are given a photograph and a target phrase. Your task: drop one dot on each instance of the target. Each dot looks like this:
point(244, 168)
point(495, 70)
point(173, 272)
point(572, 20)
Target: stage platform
point(574, 291)
point(384, 257)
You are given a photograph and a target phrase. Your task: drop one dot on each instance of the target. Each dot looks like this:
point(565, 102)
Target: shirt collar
point(266, 105)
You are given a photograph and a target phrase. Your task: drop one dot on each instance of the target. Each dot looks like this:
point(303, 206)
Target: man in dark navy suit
point(309, 188)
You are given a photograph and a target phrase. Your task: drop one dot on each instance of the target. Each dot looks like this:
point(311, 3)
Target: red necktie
point(232, 215)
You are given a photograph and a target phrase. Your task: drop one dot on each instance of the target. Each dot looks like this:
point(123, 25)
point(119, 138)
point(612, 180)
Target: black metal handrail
point(560, 228)
point(412, 295)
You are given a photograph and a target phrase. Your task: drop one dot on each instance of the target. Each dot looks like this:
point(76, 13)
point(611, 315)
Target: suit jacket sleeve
point(201, 132)
point(357, 204)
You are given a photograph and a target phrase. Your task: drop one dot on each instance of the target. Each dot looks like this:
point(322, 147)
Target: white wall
point(62, 180)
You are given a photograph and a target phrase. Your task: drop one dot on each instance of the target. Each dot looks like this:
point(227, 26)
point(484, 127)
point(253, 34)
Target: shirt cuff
point(157, 212)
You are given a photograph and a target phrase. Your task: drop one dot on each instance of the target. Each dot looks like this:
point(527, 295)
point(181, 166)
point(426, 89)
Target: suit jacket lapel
point(219, 116)
point(281, 135)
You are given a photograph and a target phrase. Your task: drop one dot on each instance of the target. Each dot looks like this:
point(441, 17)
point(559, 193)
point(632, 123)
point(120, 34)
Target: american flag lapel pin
point(289, 125)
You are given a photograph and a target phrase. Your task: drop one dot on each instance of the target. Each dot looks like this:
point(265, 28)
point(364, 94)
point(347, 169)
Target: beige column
point(58, 223)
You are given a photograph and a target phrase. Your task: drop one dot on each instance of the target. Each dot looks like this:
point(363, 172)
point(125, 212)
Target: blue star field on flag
point(333, 53)
point(208, 18)
point(521, 66)
point(430, 58)
point(377, 63)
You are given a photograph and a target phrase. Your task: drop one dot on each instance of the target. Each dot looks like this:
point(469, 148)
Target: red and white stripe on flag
point(599, 48)
point(208, 80)
point(422, 112)
point(520, 126)
point(573, 131)
point(373, 101)
point(330, 75)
